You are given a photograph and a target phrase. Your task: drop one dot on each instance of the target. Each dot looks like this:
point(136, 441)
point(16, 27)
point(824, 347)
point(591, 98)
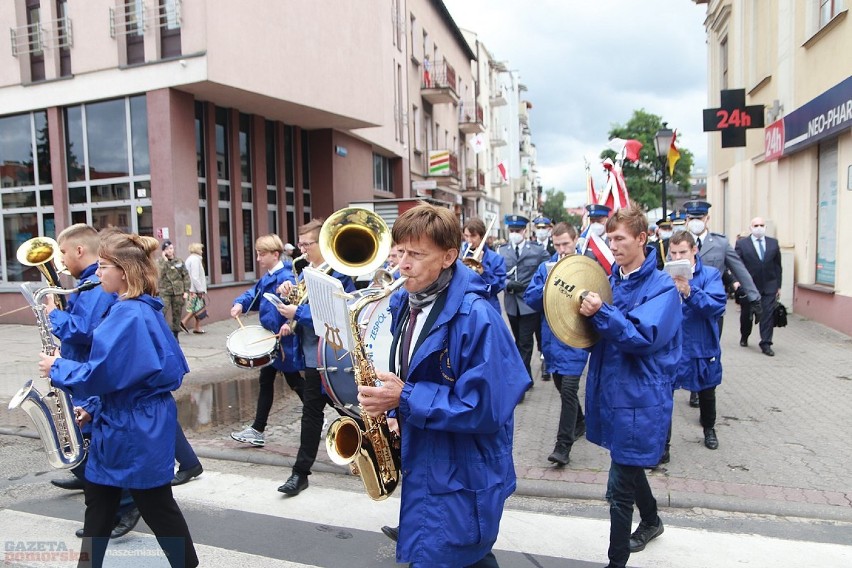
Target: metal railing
point(27, 39)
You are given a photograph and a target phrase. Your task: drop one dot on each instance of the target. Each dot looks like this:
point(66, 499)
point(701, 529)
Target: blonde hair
point(80, 234)
point(269, 243)
point(196, 248)
point(130, 253)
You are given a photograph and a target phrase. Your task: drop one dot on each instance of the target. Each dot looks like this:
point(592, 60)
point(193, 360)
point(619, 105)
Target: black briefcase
point(780, 315)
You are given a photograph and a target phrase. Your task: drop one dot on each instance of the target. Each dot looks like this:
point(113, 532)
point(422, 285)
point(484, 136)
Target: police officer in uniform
point(543, 228)
point(522, 259)
point(715, 250)
point(598, 215)
point(661, 245)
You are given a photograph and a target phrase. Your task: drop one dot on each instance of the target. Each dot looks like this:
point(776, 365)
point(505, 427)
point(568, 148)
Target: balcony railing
point(499, 137)
point(438, 84)
point(28, 39)
point(498, 97)
point(133, 17)
point(471, 118)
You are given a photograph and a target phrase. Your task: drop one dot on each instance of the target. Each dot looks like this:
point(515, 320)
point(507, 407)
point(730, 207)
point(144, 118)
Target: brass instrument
point(43, 253)
point(566, 285)
point(474, 261)
point(381, 278)
point(52, 413)
point(356, 241)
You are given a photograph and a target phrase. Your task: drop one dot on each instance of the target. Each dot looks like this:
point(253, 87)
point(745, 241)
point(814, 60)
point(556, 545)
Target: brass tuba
point(356, 241)
point(43, 253)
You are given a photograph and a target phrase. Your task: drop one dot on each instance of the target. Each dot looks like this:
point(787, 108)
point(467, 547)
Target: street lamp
point(662, 142)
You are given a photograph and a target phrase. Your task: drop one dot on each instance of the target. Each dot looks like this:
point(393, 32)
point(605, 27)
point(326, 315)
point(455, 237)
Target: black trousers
point(158, 508)
point(523, 329)
point(627, 485)
point(571, 417)
point(267, 393)
point(313, 404)
point(767, 320)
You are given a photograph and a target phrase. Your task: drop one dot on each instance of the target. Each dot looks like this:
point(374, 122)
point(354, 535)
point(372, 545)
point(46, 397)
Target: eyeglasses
point(305, 245)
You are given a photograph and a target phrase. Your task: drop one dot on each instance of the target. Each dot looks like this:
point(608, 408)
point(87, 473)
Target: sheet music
point(329, 308)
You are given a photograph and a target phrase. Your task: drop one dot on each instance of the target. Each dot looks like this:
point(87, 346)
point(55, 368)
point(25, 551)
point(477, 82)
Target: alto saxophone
point(372, 453)
point(52, 413)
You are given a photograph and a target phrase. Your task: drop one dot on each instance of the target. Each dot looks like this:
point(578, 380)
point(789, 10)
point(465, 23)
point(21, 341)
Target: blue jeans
point(627, 485)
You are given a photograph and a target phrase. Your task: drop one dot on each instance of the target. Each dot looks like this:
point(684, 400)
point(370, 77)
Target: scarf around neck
point(428, 294)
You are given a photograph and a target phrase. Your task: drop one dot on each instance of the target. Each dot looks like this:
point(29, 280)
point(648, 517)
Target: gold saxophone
point(356, 241)
point(52, 413)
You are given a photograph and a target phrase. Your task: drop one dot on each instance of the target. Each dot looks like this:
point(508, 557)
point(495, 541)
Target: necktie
point(760, 248)
point(518, 251)
point(406, 341)
point(699, 244)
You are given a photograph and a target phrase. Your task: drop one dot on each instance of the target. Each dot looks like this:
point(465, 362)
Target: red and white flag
point(601, 251)
point(615, 194)
point(504, 173)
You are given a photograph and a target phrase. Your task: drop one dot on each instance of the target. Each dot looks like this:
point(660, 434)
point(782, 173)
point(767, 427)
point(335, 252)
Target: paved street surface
point(783, 428)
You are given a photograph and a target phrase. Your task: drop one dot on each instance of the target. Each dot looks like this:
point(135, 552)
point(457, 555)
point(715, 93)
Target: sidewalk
point(783, 424)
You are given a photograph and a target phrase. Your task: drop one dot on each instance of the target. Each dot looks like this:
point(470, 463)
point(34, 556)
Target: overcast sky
point(588, 64)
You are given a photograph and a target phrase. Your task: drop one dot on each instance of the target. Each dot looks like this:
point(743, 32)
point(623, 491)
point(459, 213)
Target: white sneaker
point(249, 436)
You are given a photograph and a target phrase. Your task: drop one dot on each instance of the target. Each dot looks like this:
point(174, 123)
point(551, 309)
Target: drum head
point(338, 379)
point(375, 322)
point(251, 341)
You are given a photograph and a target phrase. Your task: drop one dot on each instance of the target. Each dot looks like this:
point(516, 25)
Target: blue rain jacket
point(305, 331)
point(73, 326)
point(134, 365)
point(289, 356)
point(700, 364)
point(632, 367)
point(561, 358)
point(456, 417)
point(493, 273)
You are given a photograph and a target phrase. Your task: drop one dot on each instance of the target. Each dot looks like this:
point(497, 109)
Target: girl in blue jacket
point(134, 365)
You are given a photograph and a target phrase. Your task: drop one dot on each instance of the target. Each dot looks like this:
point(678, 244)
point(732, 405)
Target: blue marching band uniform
point(440, 407)
point(493, 273)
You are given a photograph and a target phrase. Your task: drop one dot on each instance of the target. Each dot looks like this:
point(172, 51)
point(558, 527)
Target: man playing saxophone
point(456, 379)
point(493, 265)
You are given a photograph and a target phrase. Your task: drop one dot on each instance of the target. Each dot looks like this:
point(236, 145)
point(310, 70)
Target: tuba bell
point(354, 241)
point(43, 253)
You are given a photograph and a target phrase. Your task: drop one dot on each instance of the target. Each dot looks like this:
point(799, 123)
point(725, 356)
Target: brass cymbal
point(568, 279)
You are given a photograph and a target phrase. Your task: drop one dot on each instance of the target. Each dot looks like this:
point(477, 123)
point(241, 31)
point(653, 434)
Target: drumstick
point(273, 336)
point(239, 321)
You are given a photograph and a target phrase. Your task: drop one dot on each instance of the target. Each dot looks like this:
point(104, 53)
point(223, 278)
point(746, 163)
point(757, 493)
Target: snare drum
point(251, 347)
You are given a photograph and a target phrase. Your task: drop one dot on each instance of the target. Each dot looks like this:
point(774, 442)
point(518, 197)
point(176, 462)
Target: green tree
point(554, 206)
point(643, 177)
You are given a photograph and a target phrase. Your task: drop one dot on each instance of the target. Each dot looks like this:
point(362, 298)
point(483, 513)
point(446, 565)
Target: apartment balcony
point(474, 183)
point(443, 164)
point(438, 85)
point(525, 148)
point(523, 114)
point(497, 179)
point(499, 137)
point(498, 97)
point(471, 118)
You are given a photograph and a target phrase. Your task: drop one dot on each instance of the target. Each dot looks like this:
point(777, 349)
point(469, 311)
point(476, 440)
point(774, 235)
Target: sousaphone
point(564, 291)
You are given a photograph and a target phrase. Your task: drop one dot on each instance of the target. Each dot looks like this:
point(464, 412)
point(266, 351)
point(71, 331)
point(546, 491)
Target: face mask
point(665, 234)
point(542, 234)
point(516, 238)
point(678, 228)
point(597, 229)
point(696, 226)
point(758, 232)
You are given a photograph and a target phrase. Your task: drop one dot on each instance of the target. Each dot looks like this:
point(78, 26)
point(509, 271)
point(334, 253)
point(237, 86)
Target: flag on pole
point(614, 194)
point(625, 149)
point(477, 143)
point(601, 251)
point(674, 154)
point(504, 173)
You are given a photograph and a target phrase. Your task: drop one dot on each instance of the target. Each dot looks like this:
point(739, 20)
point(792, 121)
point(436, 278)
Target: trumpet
point(474, 261)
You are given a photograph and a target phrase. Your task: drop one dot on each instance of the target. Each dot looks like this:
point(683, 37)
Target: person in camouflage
point(174, 286)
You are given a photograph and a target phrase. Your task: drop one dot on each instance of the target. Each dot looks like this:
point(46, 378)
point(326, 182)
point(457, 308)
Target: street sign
point(424, 184)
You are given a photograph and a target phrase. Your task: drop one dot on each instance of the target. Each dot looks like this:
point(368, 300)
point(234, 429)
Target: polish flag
point(615, 194)
point(601, 251)
point(501, 167)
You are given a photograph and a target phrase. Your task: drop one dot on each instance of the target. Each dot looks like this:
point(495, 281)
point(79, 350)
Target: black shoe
point(78, 533)
point(559, 455)
point(126, 523)
point(182, 476)
point(693, 400)
point(71, 483)
point(644, 534)
point(666, 457)
point(768, 351)
point(580, 431)
point(545, 376)
point(295, 485)
point(391, 532)
point(710, 439)
point(743, 342)
point(183, 327)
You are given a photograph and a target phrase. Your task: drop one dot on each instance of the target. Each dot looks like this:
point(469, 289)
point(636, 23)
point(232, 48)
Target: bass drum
point(338, 375)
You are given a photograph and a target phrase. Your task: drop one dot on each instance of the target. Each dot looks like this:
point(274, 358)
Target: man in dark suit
point(762, 258)
point(522, 259)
